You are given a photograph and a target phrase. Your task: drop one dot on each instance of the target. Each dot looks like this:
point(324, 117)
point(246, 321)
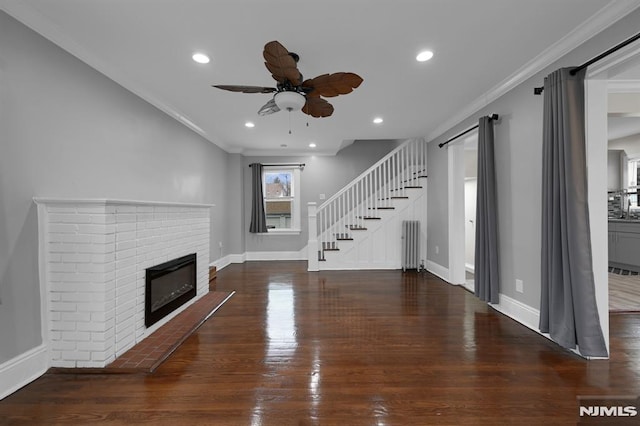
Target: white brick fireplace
point(93, 257)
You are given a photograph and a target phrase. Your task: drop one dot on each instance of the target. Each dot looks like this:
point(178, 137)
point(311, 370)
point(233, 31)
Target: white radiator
point(410, 244)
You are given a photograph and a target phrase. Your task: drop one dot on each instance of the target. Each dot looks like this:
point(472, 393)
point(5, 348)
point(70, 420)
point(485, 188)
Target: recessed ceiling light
point(312, 145)
point(200, 58)
point(249, 124)
point(378, 120)
point(424, 56)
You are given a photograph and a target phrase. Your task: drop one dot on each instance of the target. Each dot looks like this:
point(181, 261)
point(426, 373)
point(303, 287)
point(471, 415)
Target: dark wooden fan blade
point(247, 89)
point(317, 107)
point(281, 64)
point(330, 85)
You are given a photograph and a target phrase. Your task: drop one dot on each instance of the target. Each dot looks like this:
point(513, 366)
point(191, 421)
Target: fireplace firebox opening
point(169, 286)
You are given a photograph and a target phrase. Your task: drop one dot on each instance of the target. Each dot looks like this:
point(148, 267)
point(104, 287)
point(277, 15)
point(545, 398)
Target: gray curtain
point(568, 309)
point(258, 218)
point(486, 274)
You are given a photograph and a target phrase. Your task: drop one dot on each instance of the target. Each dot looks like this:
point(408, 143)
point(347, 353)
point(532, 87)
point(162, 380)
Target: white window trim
point(296, 228)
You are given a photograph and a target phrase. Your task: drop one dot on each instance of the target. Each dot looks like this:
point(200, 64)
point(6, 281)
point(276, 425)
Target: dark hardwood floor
point(344, 348)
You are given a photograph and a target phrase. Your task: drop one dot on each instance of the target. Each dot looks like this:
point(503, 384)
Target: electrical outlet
point(437, 249)
point(322, 196)
point(519, 286)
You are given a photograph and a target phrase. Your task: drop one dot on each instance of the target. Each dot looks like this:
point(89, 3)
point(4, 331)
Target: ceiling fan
point(292, 92)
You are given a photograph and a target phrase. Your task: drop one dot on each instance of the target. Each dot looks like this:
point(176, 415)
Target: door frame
point(455, 156)
point(596, 105)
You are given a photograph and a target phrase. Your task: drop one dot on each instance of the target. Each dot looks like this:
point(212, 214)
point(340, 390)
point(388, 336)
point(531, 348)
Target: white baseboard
point(277, 255)
point(524, 314)
point(361, 267)
point(529, 317)
point(227, 260)
point(221, 263)
point(23, 369)
point(469, 267)
point(438, 270)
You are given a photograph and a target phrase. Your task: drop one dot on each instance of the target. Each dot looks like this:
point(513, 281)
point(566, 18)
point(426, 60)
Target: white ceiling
point(146, 46)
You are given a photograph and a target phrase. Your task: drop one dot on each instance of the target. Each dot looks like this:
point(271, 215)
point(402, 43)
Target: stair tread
point(331, 249)
point(344, 239)
point(369, 217)
point(382, 208)
point(406, 187)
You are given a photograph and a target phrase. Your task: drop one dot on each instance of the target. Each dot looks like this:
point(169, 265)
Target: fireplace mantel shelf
point(108, 201)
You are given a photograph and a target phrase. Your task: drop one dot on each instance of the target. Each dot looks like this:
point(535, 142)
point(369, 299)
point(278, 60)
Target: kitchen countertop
point(624, 220)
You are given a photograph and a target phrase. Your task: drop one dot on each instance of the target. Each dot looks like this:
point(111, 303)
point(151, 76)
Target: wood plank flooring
point(624, 293)
point(344, 348)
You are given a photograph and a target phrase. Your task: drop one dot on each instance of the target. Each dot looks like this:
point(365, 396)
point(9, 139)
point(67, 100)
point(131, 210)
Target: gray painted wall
point(518, 150)
point(631, 145)
point(321, 175)
point(68, 131)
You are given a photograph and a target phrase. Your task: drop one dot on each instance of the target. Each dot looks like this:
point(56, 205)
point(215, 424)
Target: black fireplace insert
point(169, 286)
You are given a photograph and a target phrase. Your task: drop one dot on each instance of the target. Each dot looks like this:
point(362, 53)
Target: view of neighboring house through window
point(281, 198)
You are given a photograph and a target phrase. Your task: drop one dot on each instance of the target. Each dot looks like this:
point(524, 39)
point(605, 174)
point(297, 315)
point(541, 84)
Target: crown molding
point(604, 18)
point(623, 86)
point(296, 153)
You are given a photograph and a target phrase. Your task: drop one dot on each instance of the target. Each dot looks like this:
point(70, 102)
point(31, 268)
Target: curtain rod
point(301, 165)
point(539, 90)
point(491, 117)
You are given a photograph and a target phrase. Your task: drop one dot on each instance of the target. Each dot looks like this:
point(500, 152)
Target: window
point(281, 199)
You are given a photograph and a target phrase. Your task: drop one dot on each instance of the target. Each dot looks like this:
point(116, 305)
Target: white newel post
point(312, 246)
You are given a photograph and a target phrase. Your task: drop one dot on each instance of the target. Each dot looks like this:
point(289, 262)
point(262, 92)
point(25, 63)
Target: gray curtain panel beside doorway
point(486, 272)
point(568, 310)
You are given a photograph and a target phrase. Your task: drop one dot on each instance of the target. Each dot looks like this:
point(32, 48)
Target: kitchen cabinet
point(624, 244)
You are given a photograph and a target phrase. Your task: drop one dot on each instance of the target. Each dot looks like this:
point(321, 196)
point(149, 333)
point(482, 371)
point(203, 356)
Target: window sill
point(282, 232)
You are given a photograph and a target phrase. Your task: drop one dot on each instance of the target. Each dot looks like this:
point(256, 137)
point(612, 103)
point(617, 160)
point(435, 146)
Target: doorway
point(470, 195)
point(600, 78)
point(462, 160)
point(623, 157)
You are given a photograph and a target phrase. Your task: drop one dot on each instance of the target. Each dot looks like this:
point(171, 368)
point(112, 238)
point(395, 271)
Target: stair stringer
point(379, 246)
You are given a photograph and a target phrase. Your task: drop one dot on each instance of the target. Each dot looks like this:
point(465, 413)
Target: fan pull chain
point(289, 109)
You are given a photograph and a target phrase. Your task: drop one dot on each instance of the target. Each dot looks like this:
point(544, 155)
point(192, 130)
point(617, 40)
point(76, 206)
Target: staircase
point(360, 226)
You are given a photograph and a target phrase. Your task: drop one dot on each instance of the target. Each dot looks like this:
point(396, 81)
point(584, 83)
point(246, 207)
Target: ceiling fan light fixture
point(289, 101)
